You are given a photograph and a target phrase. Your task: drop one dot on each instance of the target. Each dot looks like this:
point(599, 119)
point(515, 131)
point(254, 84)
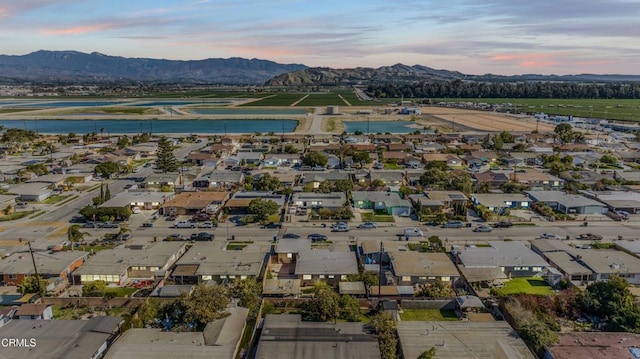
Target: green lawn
point(392, 166)
point(428, 315)
point(527, 285)
point(285, 99)
point(15, 215)
point(370, 217)
point(56, 199)
point(323, 99)
point(120, 292)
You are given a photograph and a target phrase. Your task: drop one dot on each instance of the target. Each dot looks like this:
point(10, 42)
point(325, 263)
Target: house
point(142, 149)
point(239, 203)
point(568, 203)
point(450, 159)
point(54, 180)
point(282, 160)
point(594, 345)
point(34, 311)
point(481, 157)
point(492, 178)
point(411, 268)
point(315, 178)
point(280, 288)
point(286, 251)
point(462, 339)
point(500, 203)
point(585, 176)
point(533, 178)
point(333, 200)
point(60, 265)
point(250, 158)
point(325, 266)
point(32, 192)
point(204, 262)
point(203, 158)
point(218, 179)
point(286, 336)
point(394, 157)
point(61, 338)
point(616, 200)
point(123, 264)
point(387, 202)
point(219, 339)
point(512, 258)
point(159, 180)
point(141, 199)
point(389, 178)
point(190, 203)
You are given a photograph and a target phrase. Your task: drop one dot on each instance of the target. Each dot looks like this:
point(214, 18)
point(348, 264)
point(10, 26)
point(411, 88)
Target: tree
point(324, 187)
point(315, 159)
point(94, 289)
point(166, 160)
point(248, 291)
point(32, 284)
point(204, 305)
point(428, 354)
point(349, 308)
point(435, 289)
point(343, 213)
point(377, 183)
point(74, 234)
point(608, 160)
point(106, 169)
point(385, 328)
point(342, 185)
point(324, 306)
point(147, 313)
point(564, 132)
point(262, 209)
point(498, 143)
point(361, 157)
point(612, 299)
point(267, 183)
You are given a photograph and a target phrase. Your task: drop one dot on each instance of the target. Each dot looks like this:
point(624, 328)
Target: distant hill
point(78, 67)
point(399, 73)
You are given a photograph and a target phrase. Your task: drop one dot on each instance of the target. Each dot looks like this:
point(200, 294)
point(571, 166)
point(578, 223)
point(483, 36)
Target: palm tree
point(74, 234)
point(122, 231)
point(101, 131)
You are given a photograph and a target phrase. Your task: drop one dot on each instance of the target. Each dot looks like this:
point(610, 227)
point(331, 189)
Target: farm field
point(486, 121)
point(284, 99)
point(627, 110)
point(322, 99)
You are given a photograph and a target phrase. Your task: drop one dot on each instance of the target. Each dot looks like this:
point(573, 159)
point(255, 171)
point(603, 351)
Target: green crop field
point(322, 99)
point(284, 99)
point(627, 110)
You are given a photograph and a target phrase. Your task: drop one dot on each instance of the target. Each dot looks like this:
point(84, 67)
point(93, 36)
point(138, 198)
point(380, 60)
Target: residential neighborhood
point(346, 245)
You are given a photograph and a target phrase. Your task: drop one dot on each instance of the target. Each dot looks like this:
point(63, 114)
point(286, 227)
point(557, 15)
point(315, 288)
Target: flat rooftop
point(595, 345)
point(501, 254)
point(482, 340)
point(422, 264)
point(206, 259)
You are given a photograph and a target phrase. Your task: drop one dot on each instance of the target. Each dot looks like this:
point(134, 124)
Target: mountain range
point(77, 67)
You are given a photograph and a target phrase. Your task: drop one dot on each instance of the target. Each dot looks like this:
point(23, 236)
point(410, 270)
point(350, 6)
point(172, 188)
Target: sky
point(471, 36)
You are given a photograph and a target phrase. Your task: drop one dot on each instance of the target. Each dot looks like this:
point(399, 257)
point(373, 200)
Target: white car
point(413, 232)
point(549, 236)
point(206, 224)
point(136, 210)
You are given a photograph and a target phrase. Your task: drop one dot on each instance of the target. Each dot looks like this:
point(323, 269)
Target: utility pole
point(35, 268)
point(380, 271)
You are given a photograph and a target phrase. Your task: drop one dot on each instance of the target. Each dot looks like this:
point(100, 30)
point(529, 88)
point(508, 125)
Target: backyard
point(527, 285)
point(428, 315)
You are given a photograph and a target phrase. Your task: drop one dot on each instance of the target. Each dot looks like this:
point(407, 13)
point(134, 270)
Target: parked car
point(172, 217)
point(108, 225)
point(147, 224)
point(206, 224)
point(502, 224)
point(589, 237)
point(202, 216)
point(368, 225)
point(453, 224)
point(22, 205)
point(483, 228)
point(136, 210)
point(549, 236)
point(175, 237)
point(184, 224)
point(291, 236)
point(340, 228)
point(125, 236)
point(89, 225)
point(316, 237)
point(202, 236)
point(78, 219)
point(272, 225)
point(413, 232)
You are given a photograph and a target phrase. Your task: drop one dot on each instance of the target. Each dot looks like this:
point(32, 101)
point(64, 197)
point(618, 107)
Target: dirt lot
point(486, 121)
